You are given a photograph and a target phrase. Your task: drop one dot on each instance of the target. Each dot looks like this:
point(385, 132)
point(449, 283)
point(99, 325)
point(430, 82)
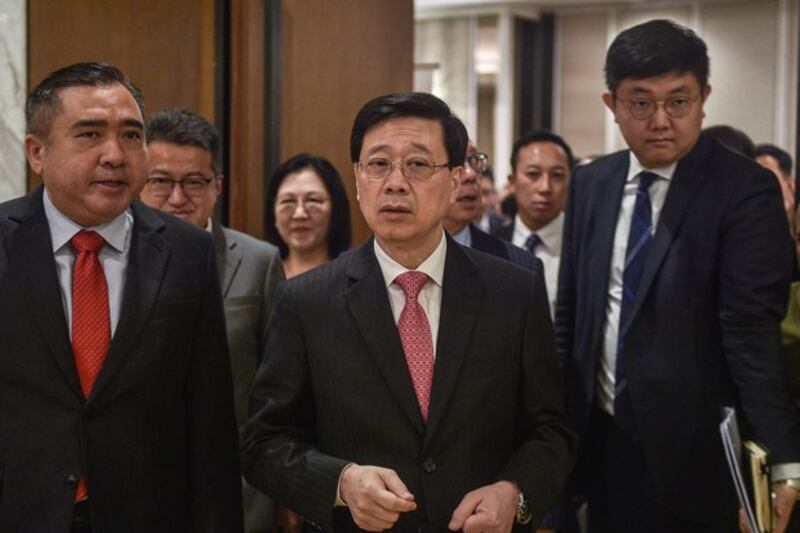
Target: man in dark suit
point(378, 411)
point(541, 163)
point(467, 206)
point(674, 277)
point(185, 179)
point(117, 409)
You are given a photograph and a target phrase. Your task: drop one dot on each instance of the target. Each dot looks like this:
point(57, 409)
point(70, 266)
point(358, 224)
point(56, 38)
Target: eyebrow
point(679, 89)
point(98, 123)
point(418, 146)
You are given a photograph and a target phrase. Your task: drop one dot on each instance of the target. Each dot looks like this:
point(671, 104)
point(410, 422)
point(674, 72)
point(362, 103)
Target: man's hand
point(785, 498)
point(375, 496)
point(489, 509)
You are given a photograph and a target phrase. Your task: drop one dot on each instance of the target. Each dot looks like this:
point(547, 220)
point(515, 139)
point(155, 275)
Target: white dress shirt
point(549, 251)
point(658, 192)
point(113, 256)
point(430, 297)
point(463, 237)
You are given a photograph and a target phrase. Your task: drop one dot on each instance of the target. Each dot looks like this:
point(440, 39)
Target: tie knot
point(532, 242)
point(646, 179)
point(87, 241)
point(411, 282)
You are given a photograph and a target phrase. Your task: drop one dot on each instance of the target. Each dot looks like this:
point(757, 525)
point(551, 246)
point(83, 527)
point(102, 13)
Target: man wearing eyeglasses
point(541, 163)
point(387, 399)
point(468, 206)
point(185, 179)
point(674, 277)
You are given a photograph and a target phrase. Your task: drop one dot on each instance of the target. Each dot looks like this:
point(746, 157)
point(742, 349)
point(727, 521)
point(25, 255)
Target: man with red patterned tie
point(116, 409)
point(386, 398)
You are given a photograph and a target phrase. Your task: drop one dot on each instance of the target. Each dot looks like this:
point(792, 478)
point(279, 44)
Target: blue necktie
point(532, 242)
point(639, 240)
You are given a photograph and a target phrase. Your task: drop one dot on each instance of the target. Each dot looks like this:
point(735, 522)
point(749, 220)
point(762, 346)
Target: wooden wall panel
point(166, 47)
point(336, 56)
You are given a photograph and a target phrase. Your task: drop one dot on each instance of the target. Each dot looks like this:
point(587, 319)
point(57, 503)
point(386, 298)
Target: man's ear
point(35, 149)
point(455, 180)
point(218, 183)
point(355, 173)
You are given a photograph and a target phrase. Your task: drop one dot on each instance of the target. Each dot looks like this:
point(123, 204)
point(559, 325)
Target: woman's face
point(303, 212)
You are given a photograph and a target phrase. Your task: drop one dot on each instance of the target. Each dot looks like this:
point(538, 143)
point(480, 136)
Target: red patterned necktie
point(91, 323)
point(415, 334)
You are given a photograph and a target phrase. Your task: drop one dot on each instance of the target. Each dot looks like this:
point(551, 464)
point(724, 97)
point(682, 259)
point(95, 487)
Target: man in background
point(541, 163)
point(115, 384)
point(185, 179)
point(674, 278)
point(779, 162)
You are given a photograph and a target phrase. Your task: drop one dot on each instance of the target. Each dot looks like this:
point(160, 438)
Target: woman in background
point(308, 217)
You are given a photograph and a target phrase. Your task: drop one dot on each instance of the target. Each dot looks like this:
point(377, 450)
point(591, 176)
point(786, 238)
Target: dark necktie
point(415, 335)
point(91, 323)
point(532, 242)
point(639, 240)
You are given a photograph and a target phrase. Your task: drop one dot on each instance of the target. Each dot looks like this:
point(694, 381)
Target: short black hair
point(734, 139)
point(540, 136)
point(419, 105)
point(44, 102)
point(780, 155)
point(655, 48)
point(185, 128)
point(339, 233)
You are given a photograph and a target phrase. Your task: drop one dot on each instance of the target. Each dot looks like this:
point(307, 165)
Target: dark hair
point(419, 105)
point(778, 154)
point(44, 102)
point(182, 127)
point(734, 139)
point(655, 48)
point(339, 228)
point(540, 136)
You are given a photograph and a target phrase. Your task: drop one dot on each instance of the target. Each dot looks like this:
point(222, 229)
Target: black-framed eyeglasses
point(645, 108)
point(413, 168)
point(478, 161)
point(160, 186)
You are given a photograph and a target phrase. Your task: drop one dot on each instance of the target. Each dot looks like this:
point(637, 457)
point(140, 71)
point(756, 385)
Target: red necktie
point(415, 335)
point(91, 324)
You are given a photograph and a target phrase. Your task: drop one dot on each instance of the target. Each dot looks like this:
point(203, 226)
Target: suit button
point(429, 465)
point(71, 481)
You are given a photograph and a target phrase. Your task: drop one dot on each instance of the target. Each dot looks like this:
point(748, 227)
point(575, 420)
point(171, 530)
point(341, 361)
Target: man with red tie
point(386, 398)
point(116, 409)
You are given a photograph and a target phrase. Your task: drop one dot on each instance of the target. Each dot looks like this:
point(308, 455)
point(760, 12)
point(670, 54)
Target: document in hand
point(757, 474)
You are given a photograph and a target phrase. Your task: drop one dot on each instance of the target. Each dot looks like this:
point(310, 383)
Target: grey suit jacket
point(250, 270)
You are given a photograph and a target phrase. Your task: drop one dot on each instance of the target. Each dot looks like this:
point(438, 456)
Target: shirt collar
point(63, 228)
point(635, 168)
point(209, 225)
point(433, 265)
point(463, 237)
point(549, 234)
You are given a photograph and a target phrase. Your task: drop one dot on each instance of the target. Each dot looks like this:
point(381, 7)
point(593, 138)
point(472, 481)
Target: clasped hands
point(377, 496)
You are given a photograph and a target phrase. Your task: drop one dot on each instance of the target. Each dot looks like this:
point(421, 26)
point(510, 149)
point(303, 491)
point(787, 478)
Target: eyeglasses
point(414, 168)
point(675, 107)
point(311, 204)
point(478, 161)
point(189, 186)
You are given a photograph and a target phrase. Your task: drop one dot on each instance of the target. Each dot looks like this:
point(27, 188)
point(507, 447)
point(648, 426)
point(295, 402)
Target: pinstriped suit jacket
point(334, 388)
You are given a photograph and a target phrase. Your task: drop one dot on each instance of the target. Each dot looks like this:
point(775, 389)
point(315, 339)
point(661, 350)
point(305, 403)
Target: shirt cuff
point(339, 502)
point(784, 471)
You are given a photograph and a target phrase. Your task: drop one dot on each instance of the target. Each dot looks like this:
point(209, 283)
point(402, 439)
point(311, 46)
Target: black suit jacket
point(504, 232)
point(334, 388)
point(489, 244)
point(156, 438)
point(705, 327)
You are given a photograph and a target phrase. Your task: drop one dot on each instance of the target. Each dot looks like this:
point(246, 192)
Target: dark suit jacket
point(156, 438)
point(492, 245)
point(504, 232)
point(704, 330)
point(334, 388)
point(250, 270)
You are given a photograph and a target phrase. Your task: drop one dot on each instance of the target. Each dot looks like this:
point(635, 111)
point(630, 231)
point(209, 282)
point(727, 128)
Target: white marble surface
point(13, 88)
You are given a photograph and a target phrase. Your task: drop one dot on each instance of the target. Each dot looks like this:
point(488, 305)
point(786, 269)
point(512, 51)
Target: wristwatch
point(523, 510)
point(791, 482)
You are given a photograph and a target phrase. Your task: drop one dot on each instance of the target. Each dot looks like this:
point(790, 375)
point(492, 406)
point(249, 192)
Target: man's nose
point(112, 153)
point(395, 181)
point(176, 195)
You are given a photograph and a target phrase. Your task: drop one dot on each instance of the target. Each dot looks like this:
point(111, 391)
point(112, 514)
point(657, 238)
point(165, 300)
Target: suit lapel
point(681, 191)
point(368, 303)
point(30, 252)
point(228, 257)
point(147, 263)
point(462, 292)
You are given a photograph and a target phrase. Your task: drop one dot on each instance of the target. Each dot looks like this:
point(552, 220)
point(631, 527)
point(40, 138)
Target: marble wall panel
point(13, 89)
